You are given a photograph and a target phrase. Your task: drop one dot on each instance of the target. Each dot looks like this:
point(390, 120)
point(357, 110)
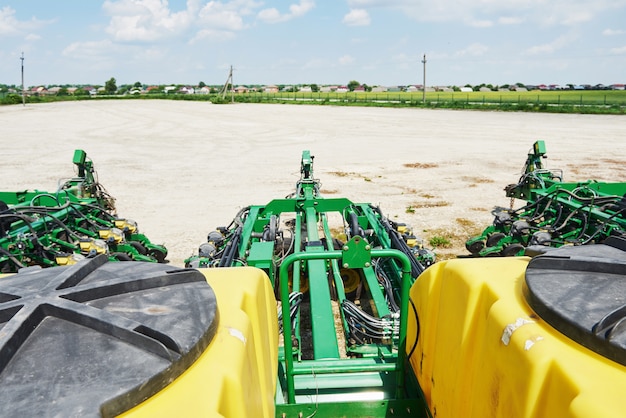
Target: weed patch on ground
point(420, 165)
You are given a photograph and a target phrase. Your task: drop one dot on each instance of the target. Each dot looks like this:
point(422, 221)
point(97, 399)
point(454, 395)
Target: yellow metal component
point(304, 283)
point(113, 235)
point(403, 228)
point(412, 242)
point(126, 225)
point(482, 352)
point(92, 246)
point(236, 375)
point(69, 259)
point(351, 279)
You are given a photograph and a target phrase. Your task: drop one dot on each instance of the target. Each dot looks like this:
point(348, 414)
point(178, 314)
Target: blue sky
point(377, 42)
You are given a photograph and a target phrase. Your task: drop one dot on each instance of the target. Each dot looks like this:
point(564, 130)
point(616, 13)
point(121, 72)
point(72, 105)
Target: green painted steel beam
point(323, 332)
point(379, 408)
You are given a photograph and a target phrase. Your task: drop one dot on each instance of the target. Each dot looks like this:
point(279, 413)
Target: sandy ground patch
point(180, 169)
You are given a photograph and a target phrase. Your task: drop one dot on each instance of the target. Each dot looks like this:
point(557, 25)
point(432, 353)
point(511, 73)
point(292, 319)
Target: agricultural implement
point(77, 220)
point(557, 213)
point(362, 327)
point(343, 294)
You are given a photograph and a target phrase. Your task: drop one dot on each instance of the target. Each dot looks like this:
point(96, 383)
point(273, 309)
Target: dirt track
point(180, 169)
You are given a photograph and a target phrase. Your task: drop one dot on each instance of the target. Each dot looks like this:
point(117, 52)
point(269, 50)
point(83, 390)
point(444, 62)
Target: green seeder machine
point(557, 213)
point(77, 220)
point(342, 292)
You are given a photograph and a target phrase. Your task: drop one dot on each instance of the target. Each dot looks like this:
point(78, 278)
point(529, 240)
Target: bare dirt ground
point(180, 169)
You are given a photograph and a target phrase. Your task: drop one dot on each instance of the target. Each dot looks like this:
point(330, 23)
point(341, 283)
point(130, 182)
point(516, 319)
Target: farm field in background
point(558, 101)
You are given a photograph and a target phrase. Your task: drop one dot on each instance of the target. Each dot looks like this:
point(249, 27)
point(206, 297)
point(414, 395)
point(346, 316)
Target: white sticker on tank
point(510, 329)
point(237, 334)
point(529, 343)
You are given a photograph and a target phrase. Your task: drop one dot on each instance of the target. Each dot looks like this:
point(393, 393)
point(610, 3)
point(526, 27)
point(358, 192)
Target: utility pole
point(424, 84)
point(229, 80)
point(232, 86)
point(23, 93)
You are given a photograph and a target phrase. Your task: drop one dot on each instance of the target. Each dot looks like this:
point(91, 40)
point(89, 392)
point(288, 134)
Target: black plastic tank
point(98, 337)
point(581, 292)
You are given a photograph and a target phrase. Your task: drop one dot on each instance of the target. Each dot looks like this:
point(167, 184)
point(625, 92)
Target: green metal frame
point(557, 213)
point(315, 364)
point(51, 228)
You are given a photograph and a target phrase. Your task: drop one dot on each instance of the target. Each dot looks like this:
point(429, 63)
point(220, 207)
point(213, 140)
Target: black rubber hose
point(231, 249)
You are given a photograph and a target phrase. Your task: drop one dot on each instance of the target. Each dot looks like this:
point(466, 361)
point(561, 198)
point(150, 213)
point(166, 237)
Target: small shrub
point(439, 241)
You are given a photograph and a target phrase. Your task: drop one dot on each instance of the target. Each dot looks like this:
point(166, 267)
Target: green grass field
point(574, 97)
point(563, 101)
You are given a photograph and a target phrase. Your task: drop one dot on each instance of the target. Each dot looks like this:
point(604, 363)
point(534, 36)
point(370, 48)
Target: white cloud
point(222, 16)
point(144, 20)
point(357, 17)
point(8, 23)
point(32, 37)
point(346, 60)
point(481, 23)
point(510, 20)
point(473, 50)
point(618, 51)
point(550, 47)
point(613, 32)
point(273, 15)
point(212, 35)
point(11, 26)
point(554, 12)
point(89, 49)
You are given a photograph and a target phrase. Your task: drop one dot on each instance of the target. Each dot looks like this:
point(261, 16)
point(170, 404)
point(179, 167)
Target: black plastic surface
point(99, 337)
point(581, 291)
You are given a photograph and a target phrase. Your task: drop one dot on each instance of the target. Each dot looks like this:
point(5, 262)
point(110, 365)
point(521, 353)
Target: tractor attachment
point(342, 294)
point(556, 214)
point(77, 220)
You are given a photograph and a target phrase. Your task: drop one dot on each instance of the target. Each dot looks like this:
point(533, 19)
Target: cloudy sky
point(377, 42)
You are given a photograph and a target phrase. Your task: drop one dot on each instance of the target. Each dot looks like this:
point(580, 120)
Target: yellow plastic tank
point(137, 339)
point(236, 375)
point(483, 352)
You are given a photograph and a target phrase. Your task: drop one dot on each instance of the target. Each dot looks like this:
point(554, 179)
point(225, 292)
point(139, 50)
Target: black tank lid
point(99, 337)
point(581, 291)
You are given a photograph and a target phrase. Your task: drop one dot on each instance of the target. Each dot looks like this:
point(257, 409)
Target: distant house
point(204, 90)
point(241, 89)
point(359, 89)
point(37, 91)
point(270, 89)
point(306, 89)
point(412, 89)
point(484, 89)
point(394, 89)
point(342, 89)
point(187, 90)
point(379, 89)
point(466, 89)
point(91, 90)
point(617, 87)
point(169, 89)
